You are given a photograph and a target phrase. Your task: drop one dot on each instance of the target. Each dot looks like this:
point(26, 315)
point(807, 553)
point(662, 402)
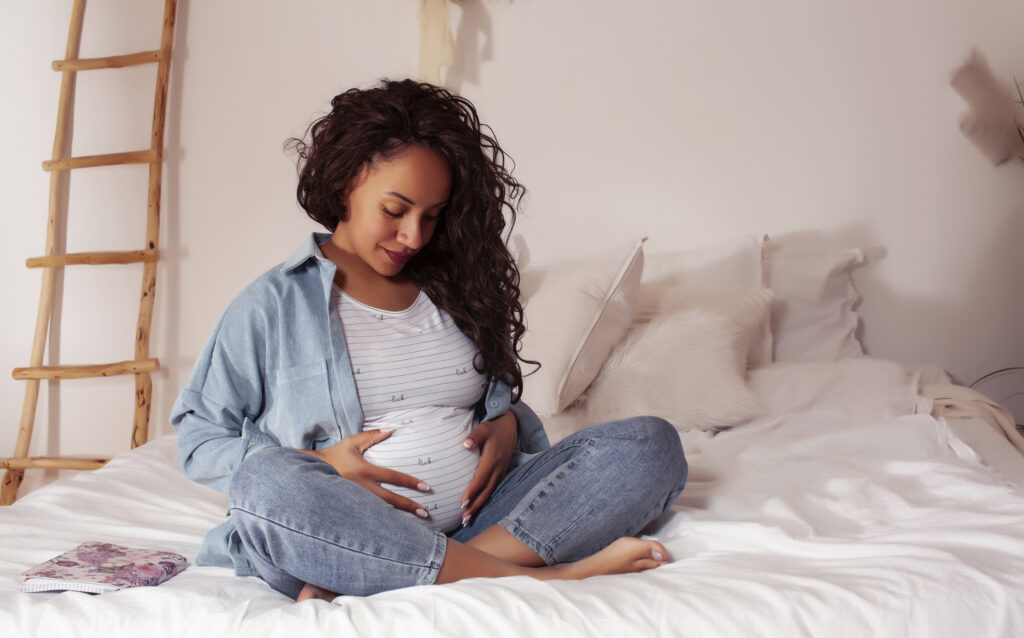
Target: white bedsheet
point(827, 522)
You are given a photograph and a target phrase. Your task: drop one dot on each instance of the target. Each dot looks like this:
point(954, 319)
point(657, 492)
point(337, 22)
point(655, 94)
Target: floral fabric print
point(106, 565)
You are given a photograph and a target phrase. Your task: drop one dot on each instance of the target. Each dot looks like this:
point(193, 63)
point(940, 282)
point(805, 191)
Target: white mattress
point(841, 513)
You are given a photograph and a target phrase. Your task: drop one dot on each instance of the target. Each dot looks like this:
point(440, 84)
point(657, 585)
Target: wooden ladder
point(143, 364)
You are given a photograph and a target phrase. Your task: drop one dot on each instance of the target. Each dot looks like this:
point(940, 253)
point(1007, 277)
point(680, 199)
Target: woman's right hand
point(346, 457)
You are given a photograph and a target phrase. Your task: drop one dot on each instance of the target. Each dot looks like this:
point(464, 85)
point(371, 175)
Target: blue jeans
point(300, 522)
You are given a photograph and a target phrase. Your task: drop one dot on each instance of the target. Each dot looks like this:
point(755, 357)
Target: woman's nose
point(409, 234)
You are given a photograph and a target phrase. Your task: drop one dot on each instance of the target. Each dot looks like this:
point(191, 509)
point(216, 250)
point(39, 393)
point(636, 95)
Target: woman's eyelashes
point(399, 214)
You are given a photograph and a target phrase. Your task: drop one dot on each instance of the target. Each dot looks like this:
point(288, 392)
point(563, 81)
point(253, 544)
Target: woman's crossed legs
point(556, 516)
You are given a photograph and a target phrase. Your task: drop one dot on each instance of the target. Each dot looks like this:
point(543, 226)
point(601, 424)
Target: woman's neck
point(364, 284)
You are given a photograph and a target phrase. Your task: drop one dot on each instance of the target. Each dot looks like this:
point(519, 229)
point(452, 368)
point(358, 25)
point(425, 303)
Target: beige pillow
point(734, 263)
point(575, 313)
point(813, 316)
point(684, 367)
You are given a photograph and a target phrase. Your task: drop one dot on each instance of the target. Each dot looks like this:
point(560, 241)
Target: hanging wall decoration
point(437, 47)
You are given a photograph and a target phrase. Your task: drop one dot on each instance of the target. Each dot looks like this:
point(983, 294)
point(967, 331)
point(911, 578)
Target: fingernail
point(423, 487)
point(465, 520)
point(658, 556)
point(468, 444)
point(386, 429)
point(422, 513)
point(465, 504)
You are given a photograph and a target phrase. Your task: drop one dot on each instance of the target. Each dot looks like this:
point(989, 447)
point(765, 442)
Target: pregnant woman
point(359, 403)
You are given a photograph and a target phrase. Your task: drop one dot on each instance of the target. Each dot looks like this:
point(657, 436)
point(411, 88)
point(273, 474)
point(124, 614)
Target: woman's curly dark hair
point(465, 268)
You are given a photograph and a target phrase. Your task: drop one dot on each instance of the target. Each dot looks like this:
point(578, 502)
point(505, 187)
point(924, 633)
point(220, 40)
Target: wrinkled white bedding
point(840, 513)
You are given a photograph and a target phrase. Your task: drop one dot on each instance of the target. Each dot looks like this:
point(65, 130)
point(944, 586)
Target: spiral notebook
point(98, 568)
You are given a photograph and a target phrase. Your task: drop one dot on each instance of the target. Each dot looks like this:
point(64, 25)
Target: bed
point(830, 493)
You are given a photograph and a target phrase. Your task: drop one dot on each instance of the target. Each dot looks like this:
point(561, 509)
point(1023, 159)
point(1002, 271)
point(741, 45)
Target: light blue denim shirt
point(276, 372)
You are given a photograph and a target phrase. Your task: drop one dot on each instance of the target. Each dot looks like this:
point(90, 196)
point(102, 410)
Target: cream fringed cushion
point(575, 314)
point(748, 308)
point(728, 267)
point(685, 366)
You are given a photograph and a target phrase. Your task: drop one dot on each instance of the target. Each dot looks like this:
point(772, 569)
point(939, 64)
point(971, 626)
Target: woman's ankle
point(498, 542)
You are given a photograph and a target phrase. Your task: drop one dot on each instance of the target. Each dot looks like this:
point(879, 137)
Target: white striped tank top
point(414, 373)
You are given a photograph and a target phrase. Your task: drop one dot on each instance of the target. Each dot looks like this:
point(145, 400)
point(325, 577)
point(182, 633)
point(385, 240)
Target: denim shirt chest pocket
point(302, 413)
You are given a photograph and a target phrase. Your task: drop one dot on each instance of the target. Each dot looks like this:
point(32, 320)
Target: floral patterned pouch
point(102, 567)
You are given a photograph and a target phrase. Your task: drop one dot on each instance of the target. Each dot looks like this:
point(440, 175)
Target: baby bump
point(427, 443)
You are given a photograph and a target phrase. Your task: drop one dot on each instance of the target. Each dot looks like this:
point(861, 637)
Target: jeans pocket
point(302, 410)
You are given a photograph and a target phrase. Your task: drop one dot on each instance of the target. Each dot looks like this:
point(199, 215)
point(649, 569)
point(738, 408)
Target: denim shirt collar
point(310, 249)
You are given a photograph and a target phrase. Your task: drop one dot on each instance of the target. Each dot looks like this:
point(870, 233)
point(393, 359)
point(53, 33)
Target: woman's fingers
point(480, 497)
point(396, 501)
point(368, 438)
point(376, 475)
point(488, 474)
point(477, 437)
point(380, 474)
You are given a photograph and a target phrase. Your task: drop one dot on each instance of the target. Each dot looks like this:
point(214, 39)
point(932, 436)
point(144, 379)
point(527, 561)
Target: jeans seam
point(519, 479)
point(433, 565)
point(545, 550)
point(527, 539)
point(565, 531)
point(437, 559)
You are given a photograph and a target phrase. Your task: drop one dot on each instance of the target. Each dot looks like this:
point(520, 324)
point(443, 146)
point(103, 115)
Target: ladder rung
point(87, 371)
point(93, 259)
point(109, 159)
point(111, 62)
point(52, 463)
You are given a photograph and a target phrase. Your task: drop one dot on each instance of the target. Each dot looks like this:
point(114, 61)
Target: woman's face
point(393, 209)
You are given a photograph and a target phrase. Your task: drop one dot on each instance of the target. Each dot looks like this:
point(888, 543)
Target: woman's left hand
point(496, 441)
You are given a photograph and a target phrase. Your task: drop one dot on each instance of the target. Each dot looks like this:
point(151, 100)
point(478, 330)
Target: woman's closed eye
point(399, 214)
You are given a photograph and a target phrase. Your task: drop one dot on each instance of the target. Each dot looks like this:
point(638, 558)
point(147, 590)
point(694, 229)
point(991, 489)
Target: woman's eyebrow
point(409, 201)
point(401, 197)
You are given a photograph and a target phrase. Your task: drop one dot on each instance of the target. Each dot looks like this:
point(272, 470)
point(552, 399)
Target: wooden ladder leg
point(144, 381)
point(13, 477)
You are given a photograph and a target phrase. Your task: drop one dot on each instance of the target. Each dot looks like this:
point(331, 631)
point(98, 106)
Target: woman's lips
point(399, 259)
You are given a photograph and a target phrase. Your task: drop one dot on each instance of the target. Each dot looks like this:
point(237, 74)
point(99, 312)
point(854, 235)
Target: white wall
point(688, 121)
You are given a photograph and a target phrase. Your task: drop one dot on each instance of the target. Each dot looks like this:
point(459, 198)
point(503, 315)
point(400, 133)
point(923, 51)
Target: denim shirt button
point(494, 404)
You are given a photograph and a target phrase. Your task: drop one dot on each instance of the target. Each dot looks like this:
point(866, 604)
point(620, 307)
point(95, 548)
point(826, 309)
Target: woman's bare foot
point(624, 556)
point(310, 592)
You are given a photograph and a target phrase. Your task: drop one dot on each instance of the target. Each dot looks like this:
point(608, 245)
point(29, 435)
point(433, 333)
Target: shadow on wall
point(952, 328)
point(473, 44)
point(946, 329)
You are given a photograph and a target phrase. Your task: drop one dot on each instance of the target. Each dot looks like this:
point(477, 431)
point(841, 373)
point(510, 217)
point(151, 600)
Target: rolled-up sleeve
point(498, 400)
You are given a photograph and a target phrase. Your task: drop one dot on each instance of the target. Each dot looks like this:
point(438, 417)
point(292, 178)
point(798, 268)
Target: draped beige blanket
point(958, 401)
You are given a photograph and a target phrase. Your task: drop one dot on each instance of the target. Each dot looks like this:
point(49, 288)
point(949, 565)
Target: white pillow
point(812, 311)
point(748, 308)
point(575, 313)
point(685, 367)
point(865, 388)
point(735, 263)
